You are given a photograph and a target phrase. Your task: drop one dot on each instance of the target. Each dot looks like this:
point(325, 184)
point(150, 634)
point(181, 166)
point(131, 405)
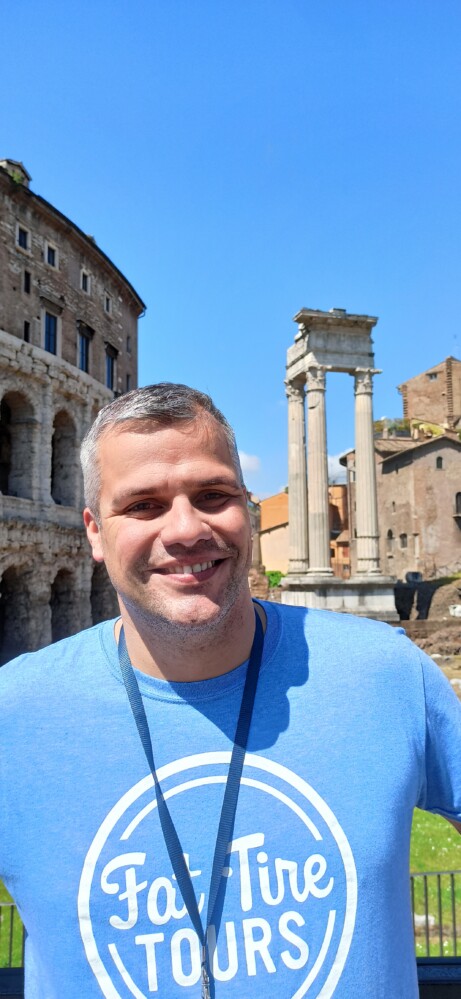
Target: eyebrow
point(219, 480)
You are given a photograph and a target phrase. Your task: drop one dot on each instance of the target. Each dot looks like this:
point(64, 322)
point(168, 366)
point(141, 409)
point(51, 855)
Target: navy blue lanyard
point(229, 805)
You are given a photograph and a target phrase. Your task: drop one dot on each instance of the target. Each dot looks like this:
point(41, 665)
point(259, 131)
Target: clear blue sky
point(242, 159)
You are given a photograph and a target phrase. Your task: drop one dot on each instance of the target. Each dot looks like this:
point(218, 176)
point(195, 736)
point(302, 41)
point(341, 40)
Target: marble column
point(365, 477)
point(317, 474)
point(297, 480)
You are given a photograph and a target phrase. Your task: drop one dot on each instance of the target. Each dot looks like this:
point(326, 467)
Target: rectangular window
point(51, 255)
point(128, 344)
point(85, 335)
point(26, 331)
point(128, 383)
point(107, 304)
point(51, 332)
point(111, 354)
point(23, 238)
point(27, 282)
point(85, 282)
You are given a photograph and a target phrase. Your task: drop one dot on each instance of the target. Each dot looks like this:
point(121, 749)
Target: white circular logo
point(291, 889)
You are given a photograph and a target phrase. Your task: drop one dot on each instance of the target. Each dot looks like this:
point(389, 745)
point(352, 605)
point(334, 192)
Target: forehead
point(135, 444)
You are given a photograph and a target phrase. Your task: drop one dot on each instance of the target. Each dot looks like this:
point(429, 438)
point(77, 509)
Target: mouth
point(201, 570)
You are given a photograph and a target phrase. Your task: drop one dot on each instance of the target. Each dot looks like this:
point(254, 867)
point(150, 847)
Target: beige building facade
point(274, 536)
point(68, 345)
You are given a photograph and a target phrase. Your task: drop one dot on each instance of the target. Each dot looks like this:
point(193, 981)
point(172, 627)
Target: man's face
point(173, 528)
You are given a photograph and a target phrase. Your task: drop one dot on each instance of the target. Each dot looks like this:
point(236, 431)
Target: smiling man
point(211, 796)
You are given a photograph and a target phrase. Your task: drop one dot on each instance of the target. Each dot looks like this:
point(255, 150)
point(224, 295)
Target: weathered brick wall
point(435, 395)
point(108, 307)
point(417, 500)
point(49, 585)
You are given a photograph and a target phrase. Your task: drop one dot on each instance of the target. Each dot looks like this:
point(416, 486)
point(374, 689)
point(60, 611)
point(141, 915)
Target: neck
point(184, 656)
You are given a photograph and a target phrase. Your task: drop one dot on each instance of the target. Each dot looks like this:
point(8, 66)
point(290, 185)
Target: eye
point(144, 506)
point(212, 498)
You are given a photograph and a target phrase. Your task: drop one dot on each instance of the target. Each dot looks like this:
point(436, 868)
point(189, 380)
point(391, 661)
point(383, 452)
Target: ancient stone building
point(419, 504)
point(418, 475)
point(434, 396)
point(68, 345)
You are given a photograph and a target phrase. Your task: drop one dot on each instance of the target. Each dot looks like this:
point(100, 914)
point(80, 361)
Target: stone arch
point(63, 605)
point(15, 614)
point(17, 419)
point(103, 597)
point(64, 460)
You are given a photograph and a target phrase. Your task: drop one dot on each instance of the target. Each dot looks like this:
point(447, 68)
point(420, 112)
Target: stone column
point(297, 480)
point(365, 477)
point(43, 454)
point(317, 474)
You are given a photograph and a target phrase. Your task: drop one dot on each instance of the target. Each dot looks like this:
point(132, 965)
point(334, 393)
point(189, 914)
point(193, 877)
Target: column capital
point(295, 390)
point(315, 378)
point(363, 380)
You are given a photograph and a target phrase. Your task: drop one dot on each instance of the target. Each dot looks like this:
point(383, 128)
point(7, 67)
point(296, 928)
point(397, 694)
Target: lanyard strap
point(229, 805)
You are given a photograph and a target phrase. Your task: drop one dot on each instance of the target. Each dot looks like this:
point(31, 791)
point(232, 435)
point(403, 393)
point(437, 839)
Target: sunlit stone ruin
point(331, 341)
point(68, 345)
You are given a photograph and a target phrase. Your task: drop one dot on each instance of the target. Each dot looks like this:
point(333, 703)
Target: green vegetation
point(436, 846)
point(10, 934)
point(443, 580)
point(394, 425)
point(274, 577)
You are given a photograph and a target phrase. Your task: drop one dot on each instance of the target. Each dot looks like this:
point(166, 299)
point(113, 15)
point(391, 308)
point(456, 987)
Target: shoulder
point(50, 666)
point(339, 626)
point(346, 638)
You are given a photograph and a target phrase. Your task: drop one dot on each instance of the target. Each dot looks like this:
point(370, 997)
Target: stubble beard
point(153, 615)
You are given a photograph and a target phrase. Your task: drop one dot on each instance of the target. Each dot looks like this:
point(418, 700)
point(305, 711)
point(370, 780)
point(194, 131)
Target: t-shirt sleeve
point(441, 790)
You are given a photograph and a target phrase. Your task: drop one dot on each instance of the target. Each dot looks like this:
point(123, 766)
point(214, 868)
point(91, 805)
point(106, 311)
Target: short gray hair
point(162, 405)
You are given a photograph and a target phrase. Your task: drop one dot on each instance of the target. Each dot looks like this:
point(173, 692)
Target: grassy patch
point(436, 846)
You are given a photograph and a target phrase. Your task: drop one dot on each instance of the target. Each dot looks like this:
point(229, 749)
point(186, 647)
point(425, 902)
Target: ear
point(93, 534)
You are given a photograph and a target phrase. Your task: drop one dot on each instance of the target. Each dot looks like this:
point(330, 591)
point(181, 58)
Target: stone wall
point(417, 485)
point(49, 586)
point(81, 289)
point(51, 388)
point(435, 395)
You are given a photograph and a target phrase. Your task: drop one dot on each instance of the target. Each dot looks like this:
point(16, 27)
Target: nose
point(184, 525)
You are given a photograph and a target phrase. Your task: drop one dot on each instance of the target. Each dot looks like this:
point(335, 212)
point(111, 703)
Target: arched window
point(103, 598)
point(403, 541)
point(63, 607)
point(64, 460)
point(439, 462)
point(389, 542)
point(16, 428)
point(14, 615)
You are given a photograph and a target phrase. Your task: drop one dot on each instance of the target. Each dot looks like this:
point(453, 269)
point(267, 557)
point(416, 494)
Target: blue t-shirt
point(352, 728)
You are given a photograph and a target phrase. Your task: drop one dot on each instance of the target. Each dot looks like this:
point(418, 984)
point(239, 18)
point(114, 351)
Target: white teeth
point(188, 570)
